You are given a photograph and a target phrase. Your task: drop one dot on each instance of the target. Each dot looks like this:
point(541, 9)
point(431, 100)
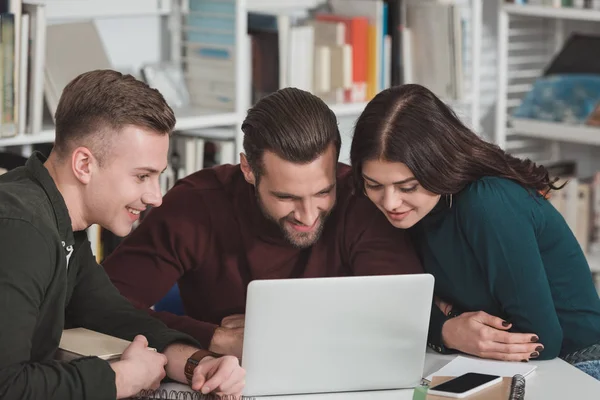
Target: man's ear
point(83, 163)
point(246, 170)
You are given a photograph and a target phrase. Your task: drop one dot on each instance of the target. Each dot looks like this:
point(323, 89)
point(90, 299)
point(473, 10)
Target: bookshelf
point(187, 119)
point(529, 36)
point(171, 11)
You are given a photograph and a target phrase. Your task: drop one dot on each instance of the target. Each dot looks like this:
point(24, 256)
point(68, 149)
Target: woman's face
point(393, 188)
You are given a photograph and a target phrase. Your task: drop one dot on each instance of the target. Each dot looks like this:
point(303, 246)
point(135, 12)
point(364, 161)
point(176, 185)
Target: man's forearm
point(199, 330)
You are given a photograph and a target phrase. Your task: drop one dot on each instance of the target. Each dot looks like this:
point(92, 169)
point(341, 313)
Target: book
point(511, 388)
point(461, 365)
point(80, 342)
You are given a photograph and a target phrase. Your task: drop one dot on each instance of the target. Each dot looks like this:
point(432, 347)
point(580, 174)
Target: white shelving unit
point(192, 118)
point(197, 120)
point(528, 37)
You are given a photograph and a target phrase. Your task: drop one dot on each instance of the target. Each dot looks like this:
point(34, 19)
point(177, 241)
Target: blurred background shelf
point(553, 12)
point(573, 133)
point(46, 136)
point(199, 118)
point(85, 9)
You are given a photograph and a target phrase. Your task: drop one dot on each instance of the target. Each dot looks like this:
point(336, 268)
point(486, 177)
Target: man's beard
point(300, 240)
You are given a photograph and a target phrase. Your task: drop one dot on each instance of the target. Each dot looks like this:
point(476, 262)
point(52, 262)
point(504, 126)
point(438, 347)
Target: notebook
point(179, 391)
point(81, 342)
point(511, 388)
point(461, 365)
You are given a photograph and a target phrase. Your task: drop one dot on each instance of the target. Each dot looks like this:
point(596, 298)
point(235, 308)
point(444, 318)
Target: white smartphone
point(464, 385)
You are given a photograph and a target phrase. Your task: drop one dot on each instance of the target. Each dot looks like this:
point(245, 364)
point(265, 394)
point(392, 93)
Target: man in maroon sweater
point(287, 211)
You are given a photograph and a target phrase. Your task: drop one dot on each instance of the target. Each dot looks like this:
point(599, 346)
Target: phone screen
point(464, 383)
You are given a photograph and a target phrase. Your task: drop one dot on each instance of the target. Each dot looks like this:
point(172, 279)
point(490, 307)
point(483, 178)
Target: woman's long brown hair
point(409, 124)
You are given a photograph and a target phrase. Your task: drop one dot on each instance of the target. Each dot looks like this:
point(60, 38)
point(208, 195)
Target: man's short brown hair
point(100, 103)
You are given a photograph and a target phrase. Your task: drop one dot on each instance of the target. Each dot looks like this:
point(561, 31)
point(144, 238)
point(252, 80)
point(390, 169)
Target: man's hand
point(222, 375)
point(483, 335)
point(234, 321)
point(139, 368)
point(229, 337)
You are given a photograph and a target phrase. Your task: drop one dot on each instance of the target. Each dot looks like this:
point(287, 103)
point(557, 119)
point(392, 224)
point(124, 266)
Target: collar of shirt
point(35, 166)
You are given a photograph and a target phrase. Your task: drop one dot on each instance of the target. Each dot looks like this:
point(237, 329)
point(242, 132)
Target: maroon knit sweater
point(211, 237)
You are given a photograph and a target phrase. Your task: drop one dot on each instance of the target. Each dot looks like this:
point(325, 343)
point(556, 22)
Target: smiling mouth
point(133, 211)
point(303, 228)
point(398, 215)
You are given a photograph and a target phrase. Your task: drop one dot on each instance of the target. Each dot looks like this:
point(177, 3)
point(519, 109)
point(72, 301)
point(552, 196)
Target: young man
point(112, 138)
point(274, 216)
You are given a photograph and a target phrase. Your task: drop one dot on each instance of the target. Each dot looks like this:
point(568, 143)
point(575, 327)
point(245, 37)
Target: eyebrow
point(150, 170)
point(282, 194)
point(395, 183)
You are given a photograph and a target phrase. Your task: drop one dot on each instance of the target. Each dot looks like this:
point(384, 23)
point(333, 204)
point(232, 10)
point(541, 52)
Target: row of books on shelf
point(591, 4)
point(344, 51)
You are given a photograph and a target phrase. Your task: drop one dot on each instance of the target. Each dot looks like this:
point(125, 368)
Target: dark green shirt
point(49, 280)
point(506, 250)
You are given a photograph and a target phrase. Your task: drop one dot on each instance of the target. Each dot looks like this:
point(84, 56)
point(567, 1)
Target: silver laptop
point(318, 335)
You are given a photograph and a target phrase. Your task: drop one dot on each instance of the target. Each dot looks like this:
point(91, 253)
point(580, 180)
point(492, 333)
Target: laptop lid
point(317, 335)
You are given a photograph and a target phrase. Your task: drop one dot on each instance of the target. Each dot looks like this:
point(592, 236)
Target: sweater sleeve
point(499, 222)
point(434, 337)
point(97, 305)
point(172, 239)
point(375, 246)
point(26, 270)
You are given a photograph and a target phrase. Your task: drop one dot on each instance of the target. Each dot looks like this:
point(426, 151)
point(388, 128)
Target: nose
point(153, 197)
point(391, 199)
point(307, 214)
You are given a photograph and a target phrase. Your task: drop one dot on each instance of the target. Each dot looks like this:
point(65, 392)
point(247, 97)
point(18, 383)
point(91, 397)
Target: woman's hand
point(483, 335)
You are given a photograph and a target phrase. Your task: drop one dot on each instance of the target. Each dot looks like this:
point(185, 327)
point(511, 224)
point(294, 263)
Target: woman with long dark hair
point(512, 282)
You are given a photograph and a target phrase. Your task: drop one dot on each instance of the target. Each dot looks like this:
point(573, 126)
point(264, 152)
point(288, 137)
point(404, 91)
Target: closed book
point(80, 342)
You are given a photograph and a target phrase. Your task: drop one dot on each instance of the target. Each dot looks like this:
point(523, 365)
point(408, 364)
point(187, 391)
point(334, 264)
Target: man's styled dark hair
point(292, 123)
point(411, 125)
point(100, 103)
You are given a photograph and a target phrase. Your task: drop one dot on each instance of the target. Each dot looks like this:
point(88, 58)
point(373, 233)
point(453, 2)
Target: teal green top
point(505, 250)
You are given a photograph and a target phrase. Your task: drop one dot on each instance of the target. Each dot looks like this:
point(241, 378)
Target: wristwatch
point(194, 360)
